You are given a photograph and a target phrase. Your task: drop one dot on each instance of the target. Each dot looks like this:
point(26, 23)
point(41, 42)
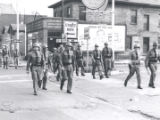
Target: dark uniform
point(79, 61)
point(107, 59)
point(151, 62)
point(5, 55)
point(16, 55)
point(35, 64)
point(134, 67)
point(68, 67)
point(46, 66)
point(97, 62)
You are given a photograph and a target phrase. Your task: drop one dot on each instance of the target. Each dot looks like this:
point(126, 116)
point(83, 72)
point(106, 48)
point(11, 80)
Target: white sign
point(70, 29)
point(99, 34)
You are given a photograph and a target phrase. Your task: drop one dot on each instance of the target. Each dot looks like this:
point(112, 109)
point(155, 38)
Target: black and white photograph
point(79, 59)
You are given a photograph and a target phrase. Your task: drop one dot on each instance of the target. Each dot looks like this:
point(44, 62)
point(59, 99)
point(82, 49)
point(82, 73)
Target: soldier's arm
point(147, 59)
point(28, 63)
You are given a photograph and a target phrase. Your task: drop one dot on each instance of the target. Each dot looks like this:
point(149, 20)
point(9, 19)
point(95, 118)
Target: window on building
point(68, 11)
point(158, 42)
point(146, 22)
point(82, 13)
point(146, 41)
point(128, 42)
point(159, 21)
point(133, 16)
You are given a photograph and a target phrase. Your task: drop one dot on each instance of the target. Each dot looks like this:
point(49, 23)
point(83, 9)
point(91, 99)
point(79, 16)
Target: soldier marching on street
point(134, 67)
point(107, 59)
point(151, 62)
point(16, 55)
point(97, 62)
point(45, 53)
point(79, 61)
point(5, 55)
point(68, 65)
point(36, 65)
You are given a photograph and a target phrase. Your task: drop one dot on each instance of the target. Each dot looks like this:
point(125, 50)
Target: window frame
point(132, 22)
point(82, 15)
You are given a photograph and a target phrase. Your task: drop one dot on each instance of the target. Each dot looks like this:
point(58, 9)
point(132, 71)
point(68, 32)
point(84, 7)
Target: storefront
point(49, 31)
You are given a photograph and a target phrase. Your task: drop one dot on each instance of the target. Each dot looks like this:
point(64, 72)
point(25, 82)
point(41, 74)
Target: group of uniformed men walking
point(64, 60)
point(6, 57)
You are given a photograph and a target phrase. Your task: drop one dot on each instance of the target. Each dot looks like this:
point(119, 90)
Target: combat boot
point(101, 77)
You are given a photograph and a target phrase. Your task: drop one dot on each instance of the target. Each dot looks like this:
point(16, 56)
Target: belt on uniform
point(36, 65)
point(65, 64)
point(107, 56)
point(135, 63)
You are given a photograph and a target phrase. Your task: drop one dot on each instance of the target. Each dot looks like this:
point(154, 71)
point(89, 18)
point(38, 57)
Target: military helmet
point(105, 43)
point(155, 44)
point(96, 45)
point(69, 44)
point(45, 46)
point(54, 48)
point(136, 46)
point(36, 45)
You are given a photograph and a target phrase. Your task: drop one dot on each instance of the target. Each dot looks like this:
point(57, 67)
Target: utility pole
point(113, 25)
point(62, 22)
point(17, 40)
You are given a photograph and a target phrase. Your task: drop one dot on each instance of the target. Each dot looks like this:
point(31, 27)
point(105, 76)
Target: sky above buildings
point(32, 6)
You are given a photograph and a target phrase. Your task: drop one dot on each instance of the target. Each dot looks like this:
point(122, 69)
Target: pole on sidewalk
point(113, 25)
point(17, 40)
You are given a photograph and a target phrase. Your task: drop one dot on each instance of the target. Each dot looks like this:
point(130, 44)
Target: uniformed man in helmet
point(45, 53)
point(107, 56)
point(151, 62)
point(97, 62)
point(35, 63)
point(134, 67)
point(5, 55)
point(79, 61)
point(68, 63)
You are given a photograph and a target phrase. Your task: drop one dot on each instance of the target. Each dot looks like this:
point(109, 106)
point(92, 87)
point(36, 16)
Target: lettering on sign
point(70, 29)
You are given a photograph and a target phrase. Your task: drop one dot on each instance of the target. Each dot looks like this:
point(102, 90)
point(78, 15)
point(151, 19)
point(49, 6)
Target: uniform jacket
point(152, 56)
point(79, 54)
point(107, 53)
point(35, 58)
point(67, 57)
point(97, 59)
point(135, 59)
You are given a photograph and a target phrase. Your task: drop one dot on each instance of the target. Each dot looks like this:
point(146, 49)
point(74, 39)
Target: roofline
point(117, 2)
point(59, 3)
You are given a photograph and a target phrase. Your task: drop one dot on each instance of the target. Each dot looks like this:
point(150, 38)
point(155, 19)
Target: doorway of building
point(146, 42)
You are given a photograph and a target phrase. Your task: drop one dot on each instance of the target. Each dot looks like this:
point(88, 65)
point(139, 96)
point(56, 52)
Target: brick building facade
point(141, 18)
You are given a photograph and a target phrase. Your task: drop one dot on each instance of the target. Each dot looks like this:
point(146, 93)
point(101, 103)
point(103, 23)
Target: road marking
point(14, 75)
point(14, 81)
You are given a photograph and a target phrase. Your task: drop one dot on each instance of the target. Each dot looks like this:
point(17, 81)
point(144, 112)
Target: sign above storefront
point(70, 29)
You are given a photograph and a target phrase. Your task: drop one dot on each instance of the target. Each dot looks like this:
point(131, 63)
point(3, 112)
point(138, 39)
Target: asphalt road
point(91, 99)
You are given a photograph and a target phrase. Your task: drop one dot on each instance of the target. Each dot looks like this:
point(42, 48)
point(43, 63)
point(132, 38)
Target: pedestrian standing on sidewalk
point(16, 55)
point(79, 61)
point(35, 63)
point(45, 53)
point(134, 67)
point(97, 62)
point(68, 65)
point(151, 62)
point(107, 56)
point(5, 54)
